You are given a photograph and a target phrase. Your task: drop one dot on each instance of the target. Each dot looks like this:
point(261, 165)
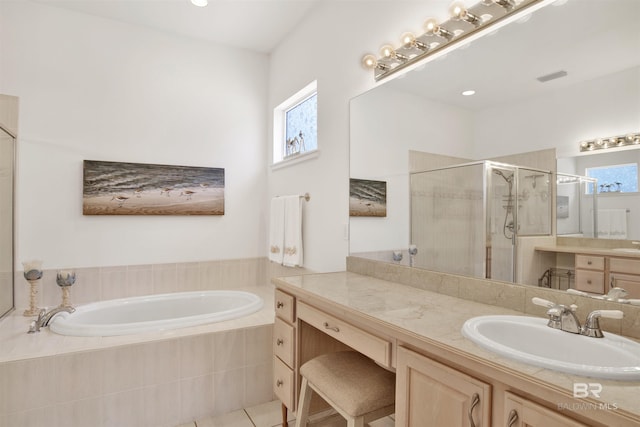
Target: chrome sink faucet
point(564, 318)
point(45, 317)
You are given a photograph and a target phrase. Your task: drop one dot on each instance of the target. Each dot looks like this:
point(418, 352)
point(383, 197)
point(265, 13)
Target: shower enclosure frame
point(511, 209)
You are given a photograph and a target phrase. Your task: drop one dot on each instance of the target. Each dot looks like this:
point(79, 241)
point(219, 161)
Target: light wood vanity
point(599, 269)
point(442, 379)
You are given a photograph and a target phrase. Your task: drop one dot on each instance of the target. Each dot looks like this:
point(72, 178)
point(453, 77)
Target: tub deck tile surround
point(438, 318)
point(208, 370)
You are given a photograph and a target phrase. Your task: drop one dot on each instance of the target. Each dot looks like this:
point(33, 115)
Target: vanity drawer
point(285, 306)
point(590, 262)
point(624, 265)
point(284, 383)
point(370, 345)
point(283, 340)
point(590, 281)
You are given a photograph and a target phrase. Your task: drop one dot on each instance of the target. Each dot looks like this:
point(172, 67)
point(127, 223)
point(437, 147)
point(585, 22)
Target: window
point(295, 127)
point(614, 178)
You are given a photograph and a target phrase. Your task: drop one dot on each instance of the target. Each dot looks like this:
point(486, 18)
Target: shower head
point(506, 178)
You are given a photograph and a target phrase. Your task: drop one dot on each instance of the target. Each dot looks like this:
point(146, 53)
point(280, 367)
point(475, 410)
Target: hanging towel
point(618, 223)
point(292, 231)
point(276, 230)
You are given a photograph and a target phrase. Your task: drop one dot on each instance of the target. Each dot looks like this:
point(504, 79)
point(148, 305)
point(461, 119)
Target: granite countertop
point(587, 250)
point(439, 318)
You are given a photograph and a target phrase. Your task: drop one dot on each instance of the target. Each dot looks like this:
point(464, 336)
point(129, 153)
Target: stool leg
point(303, 403)
point(285, 423)
point(355, 422)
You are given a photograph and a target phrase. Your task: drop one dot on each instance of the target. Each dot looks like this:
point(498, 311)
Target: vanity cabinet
point(590, 274)
point(429, 393)
point(520, 412)
point(625, 273)
point(284, 339)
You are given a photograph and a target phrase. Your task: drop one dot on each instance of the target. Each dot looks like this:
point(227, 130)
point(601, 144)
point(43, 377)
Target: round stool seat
point(352, 381)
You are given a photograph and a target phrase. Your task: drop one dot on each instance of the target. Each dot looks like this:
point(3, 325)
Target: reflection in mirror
point(466, 219)
point(575, 209)
point(6, 222)
point(517, 108)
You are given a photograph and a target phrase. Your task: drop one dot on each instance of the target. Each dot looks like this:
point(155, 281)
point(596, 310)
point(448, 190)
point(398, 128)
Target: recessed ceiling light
point(200, 3)
point(468, 92)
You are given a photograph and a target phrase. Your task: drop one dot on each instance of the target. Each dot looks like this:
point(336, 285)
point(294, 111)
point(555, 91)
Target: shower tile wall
point(162, 383)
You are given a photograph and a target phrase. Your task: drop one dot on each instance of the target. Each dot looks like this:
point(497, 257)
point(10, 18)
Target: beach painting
point(367, 198)
point(116, 188)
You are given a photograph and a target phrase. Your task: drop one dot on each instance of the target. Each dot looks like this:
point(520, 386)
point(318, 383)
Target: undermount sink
point(530, 340)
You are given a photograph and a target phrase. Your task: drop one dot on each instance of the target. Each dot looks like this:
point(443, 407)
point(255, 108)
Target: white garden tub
point(155, 313)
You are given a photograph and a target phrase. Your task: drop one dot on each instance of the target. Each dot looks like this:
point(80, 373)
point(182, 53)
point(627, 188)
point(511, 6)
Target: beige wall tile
point(165, 278)
point(196, 355)
point(113, 282)
point(258, 387)
point(85, 412)
point(229, 390)
point(229, 350)
point(161, 362)
point(139, 280)
point(125, 409)
point(188, 276)
point(87, 286)
point(21, 379)
point(77, 375)
point(258, 344)
point(162, 405)
point(122, 368)
point(196, 397)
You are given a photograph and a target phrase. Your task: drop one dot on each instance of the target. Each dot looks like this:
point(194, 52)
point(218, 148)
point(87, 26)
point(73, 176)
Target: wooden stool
point(351, 383)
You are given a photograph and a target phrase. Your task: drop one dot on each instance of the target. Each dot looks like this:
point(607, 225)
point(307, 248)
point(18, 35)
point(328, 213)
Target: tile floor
point(269, 415)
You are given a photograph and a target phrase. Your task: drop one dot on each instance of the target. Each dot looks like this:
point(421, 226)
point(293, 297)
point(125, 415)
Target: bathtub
point(155, 313)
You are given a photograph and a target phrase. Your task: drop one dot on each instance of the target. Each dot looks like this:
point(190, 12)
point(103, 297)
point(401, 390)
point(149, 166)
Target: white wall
point(92, 88)
point(401, 122)
point(328, 46)
point(601, 107)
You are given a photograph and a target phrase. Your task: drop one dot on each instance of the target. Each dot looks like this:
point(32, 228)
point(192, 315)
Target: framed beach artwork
point(367, 198)
point(116, 188)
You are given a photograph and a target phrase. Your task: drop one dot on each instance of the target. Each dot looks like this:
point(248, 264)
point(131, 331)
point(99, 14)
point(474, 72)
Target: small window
point(614, 178)
point(296, 125)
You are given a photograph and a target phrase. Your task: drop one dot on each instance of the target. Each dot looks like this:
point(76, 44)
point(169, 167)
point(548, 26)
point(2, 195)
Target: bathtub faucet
point(44, 318)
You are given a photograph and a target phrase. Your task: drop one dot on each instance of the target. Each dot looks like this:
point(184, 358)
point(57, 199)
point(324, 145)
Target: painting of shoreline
point(367, 198)
point(116, 188)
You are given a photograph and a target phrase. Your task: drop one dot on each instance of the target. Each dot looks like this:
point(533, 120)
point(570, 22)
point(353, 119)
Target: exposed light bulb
point(407, 39)
point(369, 61)
point(431, 26)
point(458, 11)
point(387, 51)
point(468, 92)
point(200, 3)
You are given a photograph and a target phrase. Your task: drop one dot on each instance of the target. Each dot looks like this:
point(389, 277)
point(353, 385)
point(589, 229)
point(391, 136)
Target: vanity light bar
point(465, 24)
point(611, 142)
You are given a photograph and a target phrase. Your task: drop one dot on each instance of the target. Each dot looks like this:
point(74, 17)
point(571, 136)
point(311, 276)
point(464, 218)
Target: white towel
point(612, 223)
point(292, 231)
point(276, 230)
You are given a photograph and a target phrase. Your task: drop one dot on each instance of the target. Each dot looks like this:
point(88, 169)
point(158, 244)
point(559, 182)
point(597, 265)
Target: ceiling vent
point(552, 76)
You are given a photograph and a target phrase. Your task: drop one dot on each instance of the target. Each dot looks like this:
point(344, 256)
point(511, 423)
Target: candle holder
point(64, 279)
point(33, 275)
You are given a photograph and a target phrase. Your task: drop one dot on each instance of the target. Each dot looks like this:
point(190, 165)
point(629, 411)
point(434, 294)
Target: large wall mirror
point(568, 73)
point(7, 147)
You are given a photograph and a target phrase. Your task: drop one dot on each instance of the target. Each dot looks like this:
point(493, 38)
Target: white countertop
point(439, 318)
point(587, 250)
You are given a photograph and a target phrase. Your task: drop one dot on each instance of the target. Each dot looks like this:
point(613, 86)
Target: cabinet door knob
point(279, 304)
point(589, 262)
point(513, 417)
point(279, 383)
point(588, 282)
point(474, 402)
point(279, 341)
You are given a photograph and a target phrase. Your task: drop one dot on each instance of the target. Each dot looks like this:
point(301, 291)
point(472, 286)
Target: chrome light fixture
point(464, 24)
point(610, 142)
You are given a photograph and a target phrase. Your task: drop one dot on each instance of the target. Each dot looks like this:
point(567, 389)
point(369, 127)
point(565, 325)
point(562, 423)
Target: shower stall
point(465, 219)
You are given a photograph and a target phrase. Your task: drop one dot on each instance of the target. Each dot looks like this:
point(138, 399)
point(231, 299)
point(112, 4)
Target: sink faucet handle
point(543, 302)
point(591, 327)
